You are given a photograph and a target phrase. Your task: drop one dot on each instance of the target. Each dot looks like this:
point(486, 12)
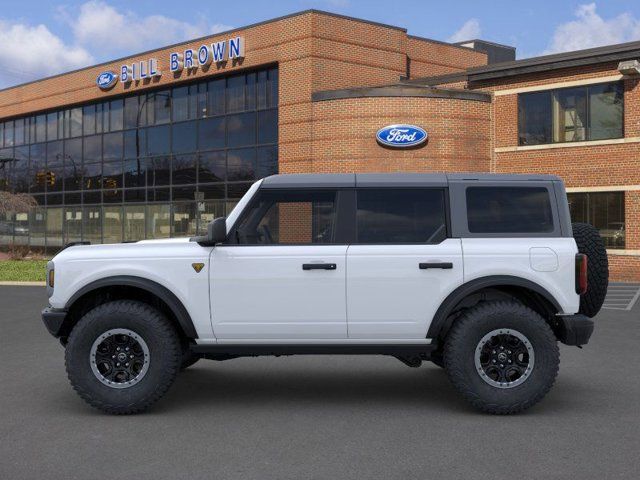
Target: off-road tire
point(437, 358)
point(464, 337)
point(164, 356)
point(590, 243)
point(188, 358)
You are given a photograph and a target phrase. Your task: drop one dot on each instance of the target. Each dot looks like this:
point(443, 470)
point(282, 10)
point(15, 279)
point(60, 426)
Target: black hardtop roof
point(345, 180)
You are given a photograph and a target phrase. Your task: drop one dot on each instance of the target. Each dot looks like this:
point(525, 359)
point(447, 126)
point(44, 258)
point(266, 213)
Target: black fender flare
point(439, 322)
point(166, 295)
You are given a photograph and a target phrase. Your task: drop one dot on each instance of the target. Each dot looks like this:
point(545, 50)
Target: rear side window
point(401, 216)
point(509, 210)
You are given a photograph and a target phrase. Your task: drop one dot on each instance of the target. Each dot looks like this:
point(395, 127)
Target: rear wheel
point(502, 356)
point(122, 356)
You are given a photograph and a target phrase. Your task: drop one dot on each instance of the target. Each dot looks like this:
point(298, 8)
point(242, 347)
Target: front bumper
point(575, 329)
point(54, 320)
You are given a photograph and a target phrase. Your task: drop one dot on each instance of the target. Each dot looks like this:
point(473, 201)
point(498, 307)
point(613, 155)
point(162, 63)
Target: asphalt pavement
point(317, 417)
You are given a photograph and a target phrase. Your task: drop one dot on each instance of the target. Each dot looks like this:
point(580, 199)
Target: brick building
point(159, 143)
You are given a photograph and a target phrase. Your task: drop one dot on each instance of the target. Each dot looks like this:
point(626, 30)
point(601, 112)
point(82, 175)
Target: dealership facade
point(158, 144)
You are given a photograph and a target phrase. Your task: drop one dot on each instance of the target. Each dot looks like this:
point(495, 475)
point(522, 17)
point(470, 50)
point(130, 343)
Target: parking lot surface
point(355, 417)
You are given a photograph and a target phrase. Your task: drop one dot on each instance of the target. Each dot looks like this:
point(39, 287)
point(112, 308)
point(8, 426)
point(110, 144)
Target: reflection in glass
point(112, 228)
point(158, 221)
point(134, 222)
point(184, 219)
point(212, 167)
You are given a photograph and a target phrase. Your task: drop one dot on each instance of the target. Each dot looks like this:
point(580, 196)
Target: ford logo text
point(401, 136)
point(106, 80)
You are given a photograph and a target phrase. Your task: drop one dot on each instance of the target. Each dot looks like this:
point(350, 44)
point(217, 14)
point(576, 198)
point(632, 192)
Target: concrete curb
point(23, 284)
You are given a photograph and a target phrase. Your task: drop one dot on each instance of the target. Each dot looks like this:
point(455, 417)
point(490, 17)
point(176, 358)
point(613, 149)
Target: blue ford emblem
point(106, 80)
point(401, 136)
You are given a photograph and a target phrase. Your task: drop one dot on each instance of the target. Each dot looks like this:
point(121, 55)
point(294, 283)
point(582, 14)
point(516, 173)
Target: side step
point(253, 350)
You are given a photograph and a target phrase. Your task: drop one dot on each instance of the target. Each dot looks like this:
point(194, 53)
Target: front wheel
point(502, 356)
point(122, 356)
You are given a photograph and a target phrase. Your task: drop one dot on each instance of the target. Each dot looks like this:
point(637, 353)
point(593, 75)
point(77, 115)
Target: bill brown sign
point(189, 59)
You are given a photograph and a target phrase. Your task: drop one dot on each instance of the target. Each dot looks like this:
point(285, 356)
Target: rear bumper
point(574, 330)
point(54, 320)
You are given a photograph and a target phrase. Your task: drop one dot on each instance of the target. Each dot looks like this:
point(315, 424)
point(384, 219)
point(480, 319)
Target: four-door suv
point(481, 274)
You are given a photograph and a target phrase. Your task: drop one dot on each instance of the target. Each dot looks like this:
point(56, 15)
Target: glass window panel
point(52, 126)
point(241, 129)
point(92, 176)
point(215, 191)
point(41, 128)
point(183, 193)
point(184, 219)
point(162, 109)
point(272, 88)
point(158, 221)
point(289, 217)
point(158, 195)
point(534, 118)
point(184, 169)
point(37, 168)
point(116, 115)
point(250, 91)
point(159, 171)
point(72, 198)
point(401, 216)
point(201, 107)
point(89, 117)
point(6, 166)
point(134, 222)
point(184, 137)
point(21, 228)
point(570, 115)
point(211, 133)
point(1, 134)
point(92, 148)
point(112, 146)
point(509, 210)
point(19, 132)
point(136, 195)
point(606, 111)
point(112, 225)
point(54, 199)
point(92, 224)
point(91, 197)
point(235, 93)
point(193, 101)
point(20, 169)
point(603, 210)
point(73, 164)
point(135, 143)
point(241, 164)
point(8, 134)
point(112, 175)
point(180, 104)
point(55, 178)
point(72, 228)
point(100, 120)
point(54, 227)
point(268, 126)
point(75, 122)
point(212, 167)
point(261, 89)
point(158, 140)
point(267, 161)
point(135, 173)
point(55, 153)
point(37, 226)
point(131, 112)
point(216, 94)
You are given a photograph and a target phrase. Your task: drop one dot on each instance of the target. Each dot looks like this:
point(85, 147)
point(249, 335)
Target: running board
point(253, 350)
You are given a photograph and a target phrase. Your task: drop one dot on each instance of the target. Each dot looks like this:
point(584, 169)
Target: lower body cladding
point(503, 357)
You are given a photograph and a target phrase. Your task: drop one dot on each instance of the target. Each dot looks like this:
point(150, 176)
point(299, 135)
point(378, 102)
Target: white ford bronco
point(481, 274)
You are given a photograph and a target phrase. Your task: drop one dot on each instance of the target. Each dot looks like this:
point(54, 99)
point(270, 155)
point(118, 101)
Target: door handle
point(319, 266)
point(442, 265)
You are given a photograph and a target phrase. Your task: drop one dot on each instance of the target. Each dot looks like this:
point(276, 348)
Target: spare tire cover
point(590, 243)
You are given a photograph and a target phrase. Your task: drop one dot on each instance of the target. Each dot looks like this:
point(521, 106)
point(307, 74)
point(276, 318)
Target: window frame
point(552, 93)
point(446, 205)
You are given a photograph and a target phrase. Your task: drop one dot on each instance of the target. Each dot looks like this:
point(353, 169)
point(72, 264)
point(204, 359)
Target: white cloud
point(108, 31)
point(29, 52)
point(469, 31)
point(591, 30)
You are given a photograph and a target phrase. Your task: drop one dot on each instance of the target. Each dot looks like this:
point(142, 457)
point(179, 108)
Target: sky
point(39, 38)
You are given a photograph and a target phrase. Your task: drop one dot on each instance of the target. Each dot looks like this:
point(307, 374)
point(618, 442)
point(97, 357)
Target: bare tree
point(16, 203)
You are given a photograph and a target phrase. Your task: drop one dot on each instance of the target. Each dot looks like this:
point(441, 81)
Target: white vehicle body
point(376, 294)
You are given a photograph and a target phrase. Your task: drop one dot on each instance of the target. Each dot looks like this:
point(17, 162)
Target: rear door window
point(389, 215)
point(509, 210)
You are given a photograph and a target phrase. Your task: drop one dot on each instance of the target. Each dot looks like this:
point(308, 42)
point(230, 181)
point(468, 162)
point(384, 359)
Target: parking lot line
point(622, 296)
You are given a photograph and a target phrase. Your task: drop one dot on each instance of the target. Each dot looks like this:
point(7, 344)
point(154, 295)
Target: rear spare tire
point(590, 243)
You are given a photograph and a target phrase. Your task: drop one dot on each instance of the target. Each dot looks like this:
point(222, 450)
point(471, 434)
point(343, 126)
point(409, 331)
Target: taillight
point(581, 273)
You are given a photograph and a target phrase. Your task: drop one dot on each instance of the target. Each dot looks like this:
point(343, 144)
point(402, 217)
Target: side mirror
point(217, 230)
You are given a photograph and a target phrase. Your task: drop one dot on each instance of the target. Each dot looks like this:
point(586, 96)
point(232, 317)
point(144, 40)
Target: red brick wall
point(430, 58)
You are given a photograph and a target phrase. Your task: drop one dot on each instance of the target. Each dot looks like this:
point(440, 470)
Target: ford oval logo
point(401, 136)
point(106, 80)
